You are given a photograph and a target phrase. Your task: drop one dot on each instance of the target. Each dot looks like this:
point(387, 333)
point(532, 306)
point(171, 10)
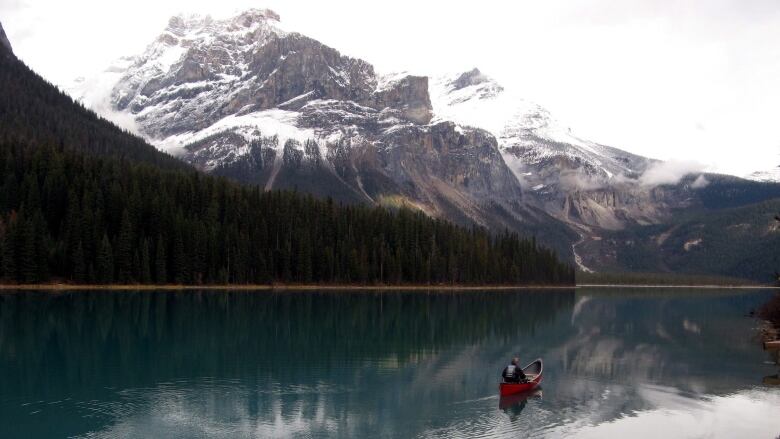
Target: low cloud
point(95, 94)
point(125, 121)
point(669, 172)
point(700, 182)
point(571, 180)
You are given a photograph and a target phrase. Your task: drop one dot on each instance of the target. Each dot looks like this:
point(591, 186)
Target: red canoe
point(534, 374)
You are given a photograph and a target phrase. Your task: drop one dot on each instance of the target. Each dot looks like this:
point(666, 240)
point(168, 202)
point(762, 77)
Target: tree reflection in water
point(238, 364)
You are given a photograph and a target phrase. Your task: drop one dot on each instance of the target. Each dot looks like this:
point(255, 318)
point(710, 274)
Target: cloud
point(95, 94)
point(574, 180)
point(700, 182)
point(669, 172)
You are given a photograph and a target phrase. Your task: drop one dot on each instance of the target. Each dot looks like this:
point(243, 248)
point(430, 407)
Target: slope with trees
point(83, 201)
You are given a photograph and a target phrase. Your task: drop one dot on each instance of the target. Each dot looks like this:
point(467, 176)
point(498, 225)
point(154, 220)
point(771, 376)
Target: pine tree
point(8, 247)
point(28, 256)
point(179, 260)
point(145, 270)
point(79, 266)
point(160, 262)
point(105, 262)
point(124, 249)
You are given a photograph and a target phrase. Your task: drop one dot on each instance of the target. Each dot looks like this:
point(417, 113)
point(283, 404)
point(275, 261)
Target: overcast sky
point(686, 80)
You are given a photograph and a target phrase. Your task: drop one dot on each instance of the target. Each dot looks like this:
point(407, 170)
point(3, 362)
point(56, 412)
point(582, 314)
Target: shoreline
point(705, 287)
point(352, 287)
point(272, 287)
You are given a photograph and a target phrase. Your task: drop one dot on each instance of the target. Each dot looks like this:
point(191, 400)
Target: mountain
point(583, 183)
point(85, 202)
point(607, 195)
point(245, 98)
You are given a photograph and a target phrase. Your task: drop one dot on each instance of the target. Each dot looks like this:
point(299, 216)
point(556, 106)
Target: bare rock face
point(293, 65)
point(200, 71)
point(410, 95)
point(470, 78)
point(4, 43)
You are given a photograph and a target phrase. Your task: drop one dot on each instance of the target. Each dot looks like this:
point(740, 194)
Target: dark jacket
point(513, 374)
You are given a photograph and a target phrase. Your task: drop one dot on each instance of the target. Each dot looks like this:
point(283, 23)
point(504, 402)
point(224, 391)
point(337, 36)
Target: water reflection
point(261, 364)
point(514, 404)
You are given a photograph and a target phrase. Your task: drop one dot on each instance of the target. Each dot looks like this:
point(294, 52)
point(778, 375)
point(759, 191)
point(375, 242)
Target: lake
point(618, 363)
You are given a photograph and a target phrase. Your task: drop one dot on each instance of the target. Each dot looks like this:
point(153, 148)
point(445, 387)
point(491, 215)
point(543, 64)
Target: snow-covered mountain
point(586, 184)
point(529, 136)
point(246, 98)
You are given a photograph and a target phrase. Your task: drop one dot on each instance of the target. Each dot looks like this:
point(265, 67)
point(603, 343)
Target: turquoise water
point(638, 363)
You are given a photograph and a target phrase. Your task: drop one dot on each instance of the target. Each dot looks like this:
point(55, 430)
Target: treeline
point(73, 217)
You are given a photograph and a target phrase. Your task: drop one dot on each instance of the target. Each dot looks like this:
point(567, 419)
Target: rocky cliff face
point(200, 71)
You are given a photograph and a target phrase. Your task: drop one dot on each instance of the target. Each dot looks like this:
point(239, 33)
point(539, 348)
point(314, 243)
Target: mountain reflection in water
point(258, 364)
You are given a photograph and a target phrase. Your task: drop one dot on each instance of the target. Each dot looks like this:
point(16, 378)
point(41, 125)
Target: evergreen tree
point(145, 270)
point(160, 262)
point(28, 256)
point(124, 249)
point(79, 267)
point(8, 248)
point(105, 262)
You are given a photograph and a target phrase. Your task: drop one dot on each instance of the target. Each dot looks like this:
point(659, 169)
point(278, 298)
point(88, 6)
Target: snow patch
point(277, 122)
point(691, 244)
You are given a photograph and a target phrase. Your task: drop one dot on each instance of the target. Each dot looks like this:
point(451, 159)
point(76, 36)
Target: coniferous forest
point(105, 220)
point(82, 201)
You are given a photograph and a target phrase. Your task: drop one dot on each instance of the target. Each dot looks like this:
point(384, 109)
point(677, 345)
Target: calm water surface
point(628, 363)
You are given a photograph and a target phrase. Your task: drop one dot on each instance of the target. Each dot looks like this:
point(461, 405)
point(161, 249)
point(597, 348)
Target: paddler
point(513, 373)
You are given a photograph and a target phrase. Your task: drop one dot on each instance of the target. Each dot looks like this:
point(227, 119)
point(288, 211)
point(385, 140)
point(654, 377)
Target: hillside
point(738, 242)
point(83, 201)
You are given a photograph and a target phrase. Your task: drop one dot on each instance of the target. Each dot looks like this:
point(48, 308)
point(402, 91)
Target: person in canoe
point(513, 373)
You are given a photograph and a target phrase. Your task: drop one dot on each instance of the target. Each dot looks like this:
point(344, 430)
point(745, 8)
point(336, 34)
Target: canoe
point(534, 374)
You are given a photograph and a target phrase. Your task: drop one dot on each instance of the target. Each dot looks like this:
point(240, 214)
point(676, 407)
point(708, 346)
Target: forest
point(71, 217)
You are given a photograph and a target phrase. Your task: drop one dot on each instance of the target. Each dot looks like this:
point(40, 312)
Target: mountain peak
point(254, 15)
point(469, 78)
point(4, 40)
point(183, 23)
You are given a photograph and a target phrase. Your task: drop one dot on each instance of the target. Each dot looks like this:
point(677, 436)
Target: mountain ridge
point(244, 98)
